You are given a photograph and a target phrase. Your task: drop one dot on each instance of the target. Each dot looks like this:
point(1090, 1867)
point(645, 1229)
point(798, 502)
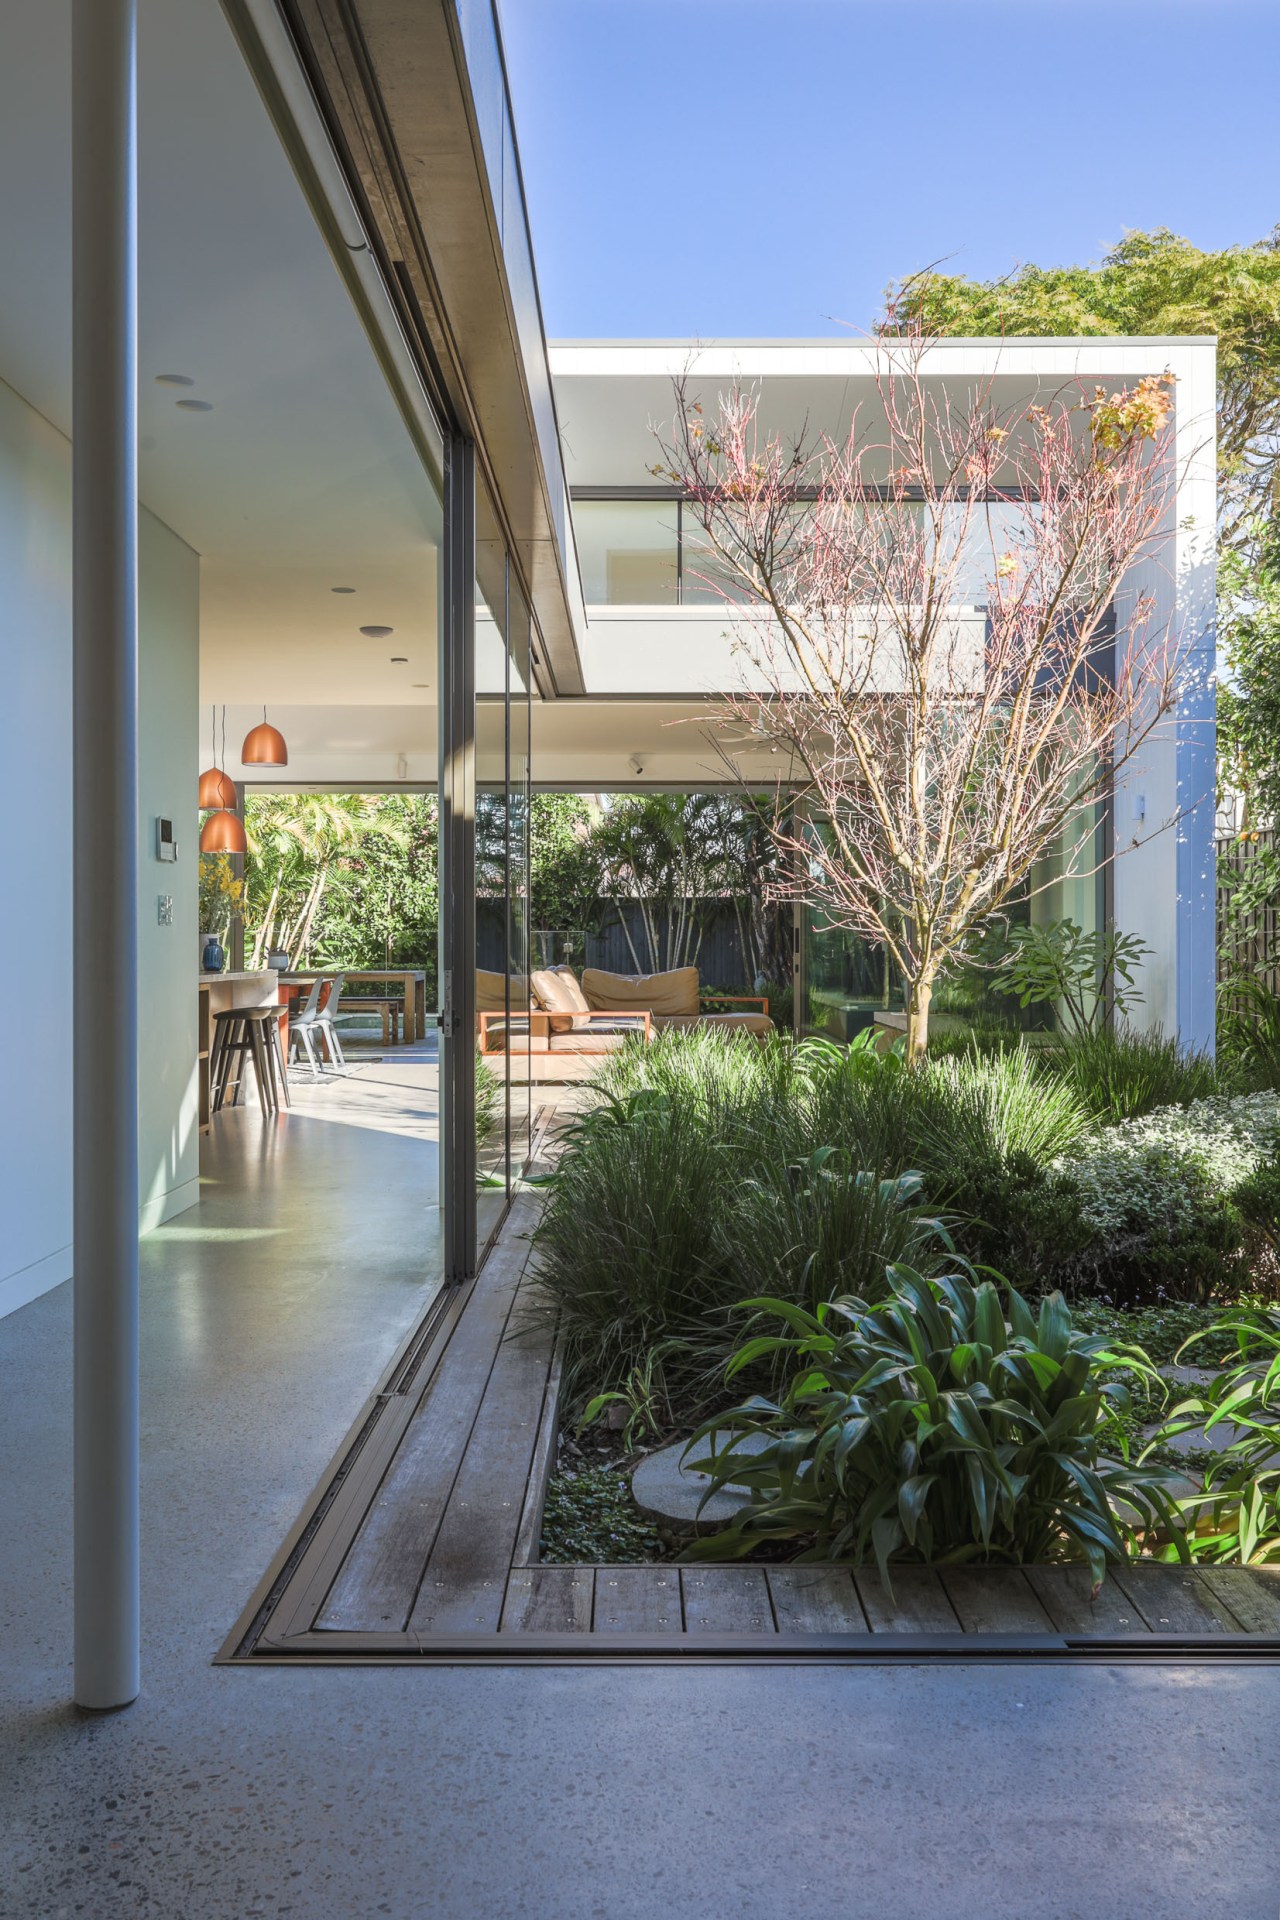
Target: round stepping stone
point(664, 1489)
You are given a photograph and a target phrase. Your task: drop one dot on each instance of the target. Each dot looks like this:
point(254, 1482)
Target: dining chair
point(304, 1025)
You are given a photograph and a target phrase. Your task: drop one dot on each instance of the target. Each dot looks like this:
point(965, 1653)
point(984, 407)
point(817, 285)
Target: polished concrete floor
point(741, 1793)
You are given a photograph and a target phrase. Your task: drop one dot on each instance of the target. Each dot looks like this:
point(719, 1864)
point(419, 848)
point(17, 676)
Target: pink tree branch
point(945, 755)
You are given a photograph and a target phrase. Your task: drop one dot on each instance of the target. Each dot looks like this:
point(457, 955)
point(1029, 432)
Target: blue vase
point(213, 959)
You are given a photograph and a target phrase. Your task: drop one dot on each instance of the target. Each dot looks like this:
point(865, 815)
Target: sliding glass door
point(501, 901)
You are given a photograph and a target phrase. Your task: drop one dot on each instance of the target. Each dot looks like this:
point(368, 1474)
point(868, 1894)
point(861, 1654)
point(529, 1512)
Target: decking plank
point(994, 1600)
point(377, 1583)
point(1252, 1595)
point(815, 1600)
point(726, 1600)
point(1064, 1593)
point(529, 1536)
point(466, 1572)
point(637, 1600)
point(548, 1600)
point(1174, 1599)
point(917, 1604)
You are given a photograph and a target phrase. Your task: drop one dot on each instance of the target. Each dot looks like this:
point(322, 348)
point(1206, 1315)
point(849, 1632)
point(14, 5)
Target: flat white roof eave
point(964, 353)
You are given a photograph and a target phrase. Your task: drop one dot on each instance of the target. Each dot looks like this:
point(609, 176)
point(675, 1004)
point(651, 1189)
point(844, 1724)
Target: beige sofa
point(599, 1012)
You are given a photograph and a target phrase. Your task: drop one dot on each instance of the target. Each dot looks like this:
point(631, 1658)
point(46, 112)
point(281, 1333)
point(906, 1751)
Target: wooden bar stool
point(248, 1034)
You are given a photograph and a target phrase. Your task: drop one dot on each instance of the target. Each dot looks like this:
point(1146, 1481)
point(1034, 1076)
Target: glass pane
point(491, 875)
point(627, 550)
point(705, 581)
point(847, 980)
point(518, 882)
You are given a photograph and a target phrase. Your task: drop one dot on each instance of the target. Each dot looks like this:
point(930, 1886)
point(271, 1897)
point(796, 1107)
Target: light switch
point(164, 909)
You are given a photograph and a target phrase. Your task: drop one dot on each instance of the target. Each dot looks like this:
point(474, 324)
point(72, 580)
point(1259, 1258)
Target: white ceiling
point(302, 477)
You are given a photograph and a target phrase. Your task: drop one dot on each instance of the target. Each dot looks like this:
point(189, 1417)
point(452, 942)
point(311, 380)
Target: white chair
point(324, 1025)
point(303, 1027)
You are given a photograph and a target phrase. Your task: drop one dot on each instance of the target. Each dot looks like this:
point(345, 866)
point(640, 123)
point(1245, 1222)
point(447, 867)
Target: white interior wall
point(168, 956)
point(35, 864)
point(35, 803)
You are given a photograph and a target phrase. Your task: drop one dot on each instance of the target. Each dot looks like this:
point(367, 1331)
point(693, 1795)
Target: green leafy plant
point(1062, 966)
point(643, 1395)
point(949, 1423)
point(1237, 1518)
point(222, 892)
point(489, 1094)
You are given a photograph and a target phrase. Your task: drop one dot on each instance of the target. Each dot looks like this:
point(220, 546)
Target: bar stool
point(248, 1033)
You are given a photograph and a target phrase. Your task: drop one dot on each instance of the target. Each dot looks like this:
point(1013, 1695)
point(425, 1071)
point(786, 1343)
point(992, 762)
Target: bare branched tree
point(938, 753)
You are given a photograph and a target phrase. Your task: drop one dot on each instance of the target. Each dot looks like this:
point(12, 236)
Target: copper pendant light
point(223, 832)
point(264, 746)
point(216, 788)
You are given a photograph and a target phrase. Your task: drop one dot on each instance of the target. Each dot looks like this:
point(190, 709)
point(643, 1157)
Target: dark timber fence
point(719, 958)
point(1248, 941)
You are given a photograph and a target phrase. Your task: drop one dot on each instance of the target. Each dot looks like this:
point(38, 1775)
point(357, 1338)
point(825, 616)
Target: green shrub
point(933, 1428)
point(1158, 1195)
point(1123, 1075)
point(1228, 1137)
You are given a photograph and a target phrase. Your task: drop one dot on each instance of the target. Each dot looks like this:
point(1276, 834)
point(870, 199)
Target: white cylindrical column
point(105, 793)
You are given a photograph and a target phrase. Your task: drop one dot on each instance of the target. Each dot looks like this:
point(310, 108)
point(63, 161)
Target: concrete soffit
point(390, 80)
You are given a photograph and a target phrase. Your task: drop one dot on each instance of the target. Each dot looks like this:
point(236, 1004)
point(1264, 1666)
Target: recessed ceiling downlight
point(399, 659)
point(342, 589)
point(376, 633)
point(195, 406)
point(174, 380)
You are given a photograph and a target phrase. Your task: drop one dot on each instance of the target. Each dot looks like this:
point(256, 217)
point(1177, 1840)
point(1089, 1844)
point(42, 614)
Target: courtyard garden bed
point(736, 1237)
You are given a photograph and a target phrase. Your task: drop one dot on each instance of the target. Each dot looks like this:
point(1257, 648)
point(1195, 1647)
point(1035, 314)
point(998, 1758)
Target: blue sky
point(763, 167)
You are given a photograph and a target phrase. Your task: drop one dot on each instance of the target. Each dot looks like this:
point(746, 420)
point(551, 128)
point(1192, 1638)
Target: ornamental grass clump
point(824, 1226)
point(628, 1253)
point(1121, 1075)
point(947, 1424)
point(694, 1180)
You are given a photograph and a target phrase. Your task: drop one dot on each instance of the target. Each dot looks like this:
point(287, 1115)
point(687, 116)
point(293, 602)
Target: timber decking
point(425, 1542)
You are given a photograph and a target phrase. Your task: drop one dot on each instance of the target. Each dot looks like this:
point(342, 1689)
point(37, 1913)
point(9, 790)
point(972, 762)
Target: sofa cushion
point(675, 992)
point(758, 1023)
point(491, 991)
point(556, 990)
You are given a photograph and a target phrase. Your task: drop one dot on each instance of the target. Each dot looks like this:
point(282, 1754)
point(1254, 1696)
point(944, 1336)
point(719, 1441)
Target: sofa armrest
point(760, 1000)
point(536, 1029)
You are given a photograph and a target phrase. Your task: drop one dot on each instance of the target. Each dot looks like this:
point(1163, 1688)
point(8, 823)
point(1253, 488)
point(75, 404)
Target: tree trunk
point(919, 994)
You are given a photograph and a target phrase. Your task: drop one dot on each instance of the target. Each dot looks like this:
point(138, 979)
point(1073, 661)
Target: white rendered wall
point(1163, 878)
point(35, 859)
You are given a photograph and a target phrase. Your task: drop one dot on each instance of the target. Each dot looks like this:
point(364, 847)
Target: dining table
point(413, 981)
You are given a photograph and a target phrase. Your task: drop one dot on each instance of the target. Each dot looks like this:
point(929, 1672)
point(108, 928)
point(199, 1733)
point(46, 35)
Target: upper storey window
point(629, 552)
point(654, 553)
